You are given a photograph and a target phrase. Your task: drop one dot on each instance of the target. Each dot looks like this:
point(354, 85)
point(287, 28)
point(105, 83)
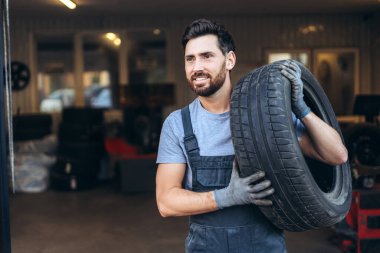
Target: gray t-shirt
point(212, 131)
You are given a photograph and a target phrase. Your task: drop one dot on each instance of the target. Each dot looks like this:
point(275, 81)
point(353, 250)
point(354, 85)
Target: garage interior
point(91, 87)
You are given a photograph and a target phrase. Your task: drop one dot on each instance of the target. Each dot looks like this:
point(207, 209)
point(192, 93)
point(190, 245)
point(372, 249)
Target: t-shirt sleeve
point(169, 149)
point(298, 125)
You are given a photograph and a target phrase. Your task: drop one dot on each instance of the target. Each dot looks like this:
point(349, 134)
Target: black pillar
point(5, 243)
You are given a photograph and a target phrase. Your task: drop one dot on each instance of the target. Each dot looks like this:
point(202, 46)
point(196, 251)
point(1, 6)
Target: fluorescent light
point(69, 4)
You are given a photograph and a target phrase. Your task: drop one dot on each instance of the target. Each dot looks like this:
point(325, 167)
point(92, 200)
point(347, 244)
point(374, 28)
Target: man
point(196, 145)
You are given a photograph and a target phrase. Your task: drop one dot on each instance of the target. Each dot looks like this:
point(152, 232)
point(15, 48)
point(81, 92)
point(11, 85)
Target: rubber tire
point(26, 121)
point(83, 151)
point(64, 182)
point(69, 166)
point(27, 134)
point(83, 116)
point(72, 132)
point(142, 126)
point(264, 139)
point(362, 141)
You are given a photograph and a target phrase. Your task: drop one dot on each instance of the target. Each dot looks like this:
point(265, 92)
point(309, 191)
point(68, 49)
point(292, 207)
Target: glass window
point(100, 75)
point(337, 71)
point(55, 78)
point(302, 56)
point(147, 57)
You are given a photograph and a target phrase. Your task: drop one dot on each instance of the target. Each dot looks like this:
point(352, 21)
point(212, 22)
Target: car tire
point(32, 121)
point(83, 151)
point(31, 126)
point(27, 134)
point(81, 133)
point(362, 141)
point(69, 166)
point(64, 182)
point(308, 194)
point(83, 116)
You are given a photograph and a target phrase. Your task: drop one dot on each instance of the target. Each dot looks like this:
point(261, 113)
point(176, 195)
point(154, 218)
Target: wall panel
point(375, 54)
point(252, 34)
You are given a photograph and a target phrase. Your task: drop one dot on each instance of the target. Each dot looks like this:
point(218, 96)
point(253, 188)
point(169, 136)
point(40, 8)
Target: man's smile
point(199, 79)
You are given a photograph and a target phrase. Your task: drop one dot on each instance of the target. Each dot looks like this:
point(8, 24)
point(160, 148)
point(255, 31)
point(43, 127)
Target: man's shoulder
point(173, 122)
point(175, 117)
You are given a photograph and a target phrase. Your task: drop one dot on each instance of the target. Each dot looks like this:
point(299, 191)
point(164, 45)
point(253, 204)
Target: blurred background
point(93, 81)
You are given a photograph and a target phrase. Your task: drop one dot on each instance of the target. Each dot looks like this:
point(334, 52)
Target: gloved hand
point(242, 191)
point(292, 71)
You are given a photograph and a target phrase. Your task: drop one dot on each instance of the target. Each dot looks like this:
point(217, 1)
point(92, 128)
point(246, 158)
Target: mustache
point(200, 74)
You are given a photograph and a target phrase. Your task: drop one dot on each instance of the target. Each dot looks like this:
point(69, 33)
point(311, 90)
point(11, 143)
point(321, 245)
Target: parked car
point(99, 97)
point(58, 100)
point(102, 99)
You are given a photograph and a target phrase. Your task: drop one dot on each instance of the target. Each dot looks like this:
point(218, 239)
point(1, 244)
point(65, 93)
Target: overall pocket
point(196, 240)
point(213, 177)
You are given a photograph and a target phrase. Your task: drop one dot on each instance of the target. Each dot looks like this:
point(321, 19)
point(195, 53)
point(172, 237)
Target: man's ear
point(230, 60)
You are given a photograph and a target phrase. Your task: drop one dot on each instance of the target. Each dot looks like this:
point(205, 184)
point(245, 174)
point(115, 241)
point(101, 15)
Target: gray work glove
point(243, 191)
point(292, 71)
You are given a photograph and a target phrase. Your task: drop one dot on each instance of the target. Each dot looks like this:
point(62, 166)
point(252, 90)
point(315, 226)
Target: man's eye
point(189, 59)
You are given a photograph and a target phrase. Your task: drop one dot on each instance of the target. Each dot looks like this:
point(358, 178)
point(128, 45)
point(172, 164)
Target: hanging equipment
point(20, 75)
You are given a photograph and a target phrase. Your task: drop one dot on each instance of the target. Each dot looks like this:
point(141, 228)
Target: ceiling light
point(312, 28)
point(69, 4)
point(158, 31)
point(113, 38)
point(117, 41)
point(110, 36)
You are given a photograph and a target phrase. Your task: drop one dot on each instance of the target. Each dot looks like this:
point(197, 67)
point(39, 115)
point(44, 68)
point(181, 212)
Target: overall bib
point(237, 229)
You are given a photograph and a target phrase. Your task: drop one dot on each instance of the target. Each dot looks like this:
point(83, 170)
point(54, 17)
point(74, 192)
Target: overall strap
point(190, 141)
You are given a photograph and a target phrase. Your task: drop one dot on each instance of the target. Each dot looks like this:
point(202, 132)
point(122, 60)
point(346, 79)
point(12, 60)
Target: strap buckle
point(191, 144)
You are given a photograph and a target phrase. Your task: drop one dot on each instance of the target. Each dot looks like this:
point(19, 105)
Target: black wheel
point(73, 132)
point(64, 182)
point(83, 151)
point(308, 194)
point(362, 142)
point(83, 116)
point(30, 134)
point(31, 126)
point(69, 166)
point(142, 126)
point(20, 75)
point(32, 121)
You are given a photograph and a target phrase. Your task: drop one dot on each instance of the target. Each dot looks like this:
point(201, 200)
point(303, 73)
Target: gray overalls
point(238, 229)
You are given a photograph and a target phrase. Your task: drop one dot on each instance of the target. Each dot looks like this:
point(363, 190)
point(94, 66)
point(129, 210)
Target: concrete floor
point(106, 220)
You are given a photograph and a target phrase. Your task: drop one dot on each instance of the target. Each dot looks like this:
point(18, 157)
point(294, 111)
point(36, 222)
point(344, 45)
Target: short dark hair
point(202, 27)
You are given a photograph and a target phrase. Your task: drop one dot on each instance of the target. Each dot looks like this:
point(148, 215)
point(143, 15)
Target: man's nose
point(198, 65)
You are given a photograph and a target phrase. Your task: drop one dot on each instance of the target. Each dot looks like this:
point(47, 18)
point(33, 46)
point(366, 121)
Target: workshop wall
point(375, 53)
point(252, 34)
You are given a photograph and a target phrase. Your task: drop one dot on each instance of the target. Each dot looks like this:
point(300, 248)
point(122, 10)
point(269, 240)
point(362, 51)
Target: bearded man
point(197, 175)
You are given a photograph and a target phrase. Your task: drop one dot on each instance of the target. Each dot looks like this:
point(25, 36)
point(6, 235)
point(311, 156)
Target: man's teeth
point(200, 78)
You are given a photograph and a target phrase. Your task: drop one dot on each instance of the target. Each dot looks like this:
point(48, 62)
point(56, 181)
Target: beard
point(215, 83)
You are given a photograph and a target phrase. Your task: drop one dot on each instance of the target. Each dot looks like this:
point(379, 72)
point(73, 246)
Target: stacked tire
point(362, 142)
point(28, 127)
point(80, 149)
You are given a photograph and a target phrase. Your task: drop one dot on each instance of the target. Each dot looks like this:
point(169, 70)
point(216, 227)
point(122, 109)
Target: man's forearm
point(326, 140)
point(180, 202)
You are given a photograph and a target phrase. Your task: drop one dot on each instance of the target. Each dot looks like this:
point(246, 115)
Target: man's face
point(205, 65)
